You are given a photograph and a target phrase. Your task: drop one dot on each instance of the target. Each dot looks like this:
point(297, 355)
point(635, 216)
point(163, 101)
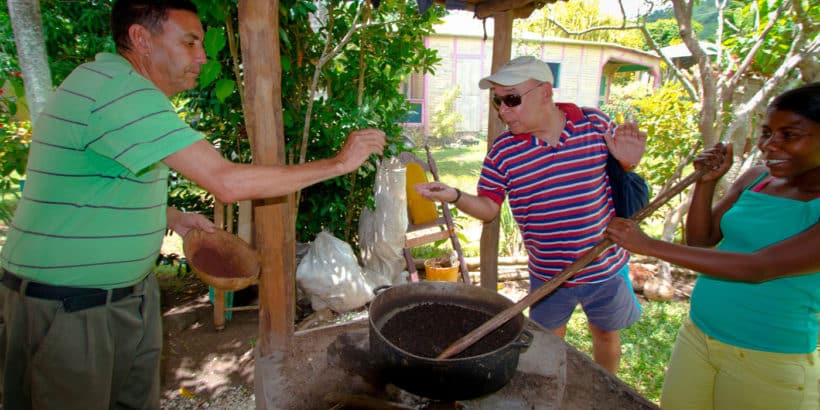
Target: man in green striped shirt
point(80, 307)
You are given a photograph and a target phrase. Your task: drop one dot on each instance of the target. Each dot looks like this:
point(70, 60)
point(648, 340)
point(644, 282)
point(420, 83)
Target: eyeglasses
point(511, 100)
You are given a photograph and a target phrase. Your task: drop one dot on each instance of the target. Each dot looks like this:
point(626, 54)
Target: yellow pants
point(704, 374)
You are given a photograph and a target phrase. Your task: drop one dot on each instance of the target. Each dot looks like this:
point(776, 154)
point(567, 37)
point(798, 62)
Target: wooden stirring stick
point(502, 317)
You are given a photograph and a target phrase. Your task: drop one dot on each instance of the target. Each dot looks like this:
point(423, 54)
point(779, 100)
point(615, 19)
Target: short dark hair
point(803, 101)
point(147, 13)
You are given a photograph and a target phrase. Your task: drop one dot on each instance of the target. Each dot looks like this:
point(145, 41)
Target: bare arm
point(703, 220)
point(479, 207)
point(230, 182)
point(791, 257)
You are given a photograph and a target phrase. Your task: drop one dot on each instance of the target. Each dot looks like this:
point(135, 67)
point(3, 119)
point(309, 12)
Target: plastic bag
point(382, 230)
point(330, 274)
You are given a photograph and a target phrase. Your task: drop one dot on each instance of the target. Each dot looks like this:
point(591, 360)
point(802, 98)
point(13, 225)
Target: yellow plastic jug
point(420, 210)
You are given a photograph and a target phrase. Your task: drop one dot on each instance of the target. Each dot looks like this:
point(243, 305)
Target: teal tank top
point(780, 315)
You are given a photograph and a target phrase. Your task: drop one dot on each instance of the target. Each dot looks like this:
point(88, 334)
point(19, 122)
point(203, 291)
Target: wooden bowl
point(221, 259)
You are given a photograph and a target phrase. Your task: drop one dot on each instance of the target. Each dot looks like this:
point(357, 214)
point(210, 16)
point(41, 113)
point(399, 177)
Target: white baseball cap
point(517, 71)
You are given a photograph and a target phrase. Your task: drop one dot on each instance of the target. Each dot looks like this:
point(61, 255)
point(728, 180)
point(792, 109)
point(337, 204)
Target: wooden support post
point(244, 224)
point(219, 214)
point(273, 220)
point(219, 309)
point(502, 43)
point(229, 217)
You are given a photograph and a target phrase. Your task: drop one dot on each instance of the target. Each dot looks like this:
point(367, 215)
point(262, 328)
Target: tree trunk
point(31, 52)
point(706, 77)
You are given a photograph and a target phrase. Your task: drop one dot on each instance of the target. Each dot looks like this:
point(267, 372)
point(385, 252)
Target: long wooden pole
point(502, 48)
point(275, 232)
point(493, 323)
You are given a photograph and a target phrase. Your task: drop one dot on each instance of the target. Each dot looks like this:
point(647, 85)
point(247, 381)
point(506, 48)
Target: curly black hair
point(804, 101)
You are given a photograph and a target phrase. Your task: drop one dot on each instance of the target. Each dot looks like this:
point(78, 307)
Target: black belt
point(74, 299)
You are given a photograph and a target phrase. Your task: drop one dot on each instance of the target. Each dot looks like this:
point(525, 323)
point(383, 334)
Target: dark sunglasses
point(511, 100)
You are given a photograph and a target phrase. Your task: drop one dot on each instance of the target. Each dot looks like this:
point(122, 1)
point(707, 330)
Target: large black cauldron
point(456, 378)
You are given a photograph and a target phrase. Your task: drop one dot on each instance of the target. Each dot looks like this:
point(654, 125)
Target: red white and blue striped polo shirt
point(559, 195)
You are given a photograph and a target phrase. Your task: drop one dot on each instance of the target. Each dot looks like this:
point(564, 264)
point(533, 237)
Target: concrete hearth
point(331, 365)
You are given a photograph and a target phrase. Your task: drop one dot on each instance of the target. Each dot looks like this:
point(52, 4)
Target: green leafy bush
point(15, 138)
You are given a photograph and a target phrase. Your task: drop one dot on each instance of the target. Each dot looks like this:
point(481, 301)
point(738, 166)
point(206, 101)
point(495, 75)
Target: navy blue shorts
point(609, 305)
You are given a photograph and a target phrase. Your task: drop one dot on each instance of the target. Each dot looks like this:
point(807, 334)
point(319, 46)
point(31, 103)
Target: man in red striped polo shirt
point(550, 164)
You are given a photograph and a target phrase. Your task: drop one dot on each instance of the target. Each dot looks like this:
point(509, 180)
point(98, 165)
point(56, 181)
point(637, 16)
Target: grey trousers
point(105, 357)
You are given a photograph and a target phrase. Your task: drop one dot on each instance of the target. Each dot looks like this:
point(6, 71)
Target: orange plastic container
point(434, 271)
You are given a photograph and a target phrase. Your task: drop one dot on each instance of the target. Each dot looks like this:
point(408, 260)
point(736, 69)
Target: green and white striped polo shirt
point(93, 209)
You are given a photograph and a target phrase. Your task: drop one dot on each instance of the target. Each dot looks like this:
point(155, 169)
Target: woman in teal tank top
point(751, 339)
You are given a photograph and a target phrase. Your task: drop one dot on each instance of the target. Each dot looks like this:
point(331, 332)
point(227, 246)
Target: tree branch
point(623, 26)
point(741, 70)
point(327, 56)
point(649, 40)
point(237, 72)
point(809, 67)
point(774, 85)
point(707, 123)
point(317, 72)
point(687, 85)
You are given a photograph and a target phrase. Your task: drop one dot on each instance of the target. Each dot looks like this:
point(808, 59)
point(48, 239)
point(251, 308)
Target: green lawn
point(646, 345)
point(458, 167)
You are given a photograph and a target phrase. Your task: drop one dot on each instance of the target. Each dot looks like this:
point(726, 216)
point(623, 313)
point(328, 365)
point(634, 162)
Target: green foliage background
point(384, 54)
point(704, 17)
point(578, 15)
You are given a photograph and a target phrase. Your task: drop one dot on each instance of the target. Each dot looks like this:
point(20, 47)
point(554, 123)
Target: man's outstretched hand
point(628, 143)
point(360, 144)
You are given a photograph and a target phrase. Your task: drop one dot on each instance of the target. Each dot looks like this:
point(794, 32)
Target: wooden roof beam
point(520, 8)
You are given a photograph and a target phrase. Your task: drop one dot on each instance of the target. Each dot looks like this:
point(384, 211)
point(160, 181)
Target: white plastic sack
point(330, 274)
point(382, 230)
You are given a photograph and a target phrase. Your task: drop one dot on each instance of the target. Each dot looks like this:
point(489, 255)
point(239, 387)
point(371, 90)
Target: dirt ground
point(200, 363)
